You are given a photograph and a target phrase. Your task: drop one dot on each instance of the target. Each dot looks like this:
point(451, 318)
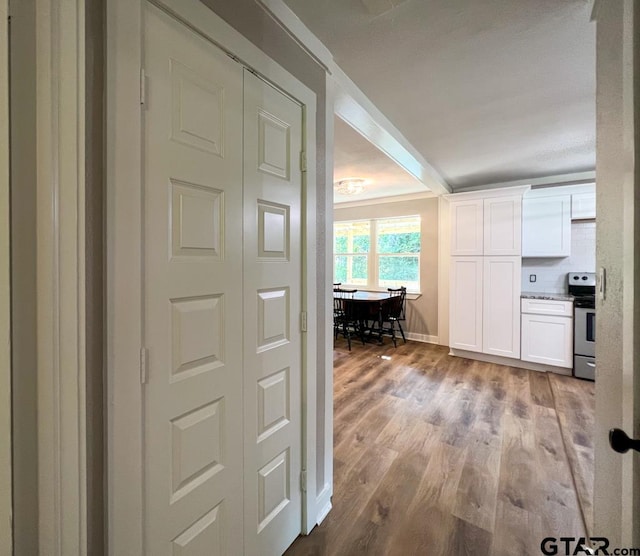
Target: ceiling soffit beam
point(354, 107)
point(559, 179)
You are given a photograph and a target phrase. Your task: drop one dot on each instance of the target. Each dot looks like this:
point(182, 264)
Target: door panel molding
point(124, 242)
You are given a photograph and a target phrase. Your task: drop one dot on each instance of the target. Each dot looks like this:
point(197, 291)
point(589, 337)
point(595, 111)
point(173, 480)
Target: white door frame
point(124, 255)
point(6, 504)
point(62, 491)
point(616, 484)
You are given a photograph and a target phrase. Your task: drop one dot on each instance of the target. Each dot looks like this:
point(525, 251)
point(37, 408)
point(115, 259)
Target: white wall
point(551, 273)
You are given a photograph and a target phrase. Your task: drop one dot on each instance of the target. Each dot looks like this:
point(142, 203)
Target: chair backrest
point(343, 293)
point(338, 295)
point(397, 309)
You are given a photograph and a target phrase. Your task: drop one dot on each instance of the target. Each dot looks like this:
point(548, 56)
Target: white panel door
point(503, 225)
point(547, 339)
point(465, 317)
point(272, 338)
point(546, 226)
point(192, 293)
point(467, 227)
point(501, 306)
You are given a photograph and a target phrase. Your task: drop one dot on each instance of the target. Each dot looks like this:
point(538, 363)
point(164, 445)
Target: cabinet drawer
point(547, 307)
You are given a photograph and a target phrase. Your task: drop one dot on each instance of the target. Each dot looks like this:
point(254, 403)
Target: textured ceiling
point(355, 157)
point(487, 91)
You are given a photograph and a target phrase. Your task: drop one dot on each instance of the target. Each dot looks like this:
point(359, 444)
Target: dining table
point(368, 306)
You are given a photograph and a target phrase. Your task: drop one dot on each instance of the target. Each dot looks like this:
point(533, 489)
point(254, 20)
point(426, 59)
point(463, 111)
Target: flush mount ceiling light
point(350, 186)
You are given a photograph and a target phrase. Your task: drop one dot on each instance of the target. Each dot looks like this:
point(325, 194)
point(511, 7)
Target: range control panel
point(581, 279)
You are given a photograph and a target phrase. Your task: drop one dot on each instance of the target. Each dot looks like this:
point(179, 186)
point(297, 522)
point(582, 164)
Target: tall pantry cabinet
point(485, 271)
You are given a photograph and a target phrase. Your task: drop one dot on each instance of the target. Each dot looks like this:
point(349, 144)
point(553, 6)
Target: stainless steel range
point(582, 285)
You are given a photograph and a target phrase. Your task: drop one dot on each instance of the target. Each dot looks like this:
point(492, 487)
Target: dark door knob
point(621, 443)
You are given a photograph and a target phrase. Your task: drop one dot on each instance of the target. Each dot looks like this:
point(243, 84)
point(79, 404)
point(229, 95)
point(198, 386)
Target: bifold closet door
point(222, 301)
point(192, 293)
point(272, 338)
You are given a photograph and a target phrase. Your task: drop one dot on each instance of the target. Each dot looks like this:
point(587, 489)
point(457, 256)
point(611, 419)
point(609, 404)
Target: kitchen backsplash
point(551, 273)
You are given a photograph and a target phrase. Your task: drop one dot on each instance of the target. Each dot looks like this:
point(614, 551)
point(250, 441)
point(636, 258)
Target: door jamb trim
point(6, 499)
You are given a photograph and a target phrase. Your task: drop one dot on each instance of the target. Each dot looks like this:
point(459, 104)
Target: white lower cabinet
point(501, 306)
point(465, 318)
point(547, 339)
point(485, 305)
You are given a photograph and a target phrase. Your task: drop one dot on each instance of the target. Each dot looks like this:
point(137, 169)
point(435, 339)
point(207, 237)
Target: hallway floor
point(437, 455)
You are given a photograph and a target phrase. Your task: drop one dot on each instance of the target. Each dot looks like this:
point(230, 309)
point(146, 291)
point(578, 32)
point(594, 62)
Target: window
point(378, 254)
point(351, 245)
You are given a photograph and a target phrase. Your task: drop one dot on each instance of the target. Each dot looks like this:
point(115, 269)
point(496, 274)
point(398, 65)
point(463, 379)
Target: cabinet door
point(583, 206)
point(547, 339)
point(465, 320)
point(503, 225)
point(546, 226)
point(501, 306)
point(466, 227)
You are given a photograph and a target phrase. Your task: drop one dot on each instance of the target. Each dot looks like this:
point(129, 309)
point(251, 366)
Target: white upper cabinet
point(503, 225)
point(583, 206)
point(546, 226)
point(467, 219)
point(490, 226)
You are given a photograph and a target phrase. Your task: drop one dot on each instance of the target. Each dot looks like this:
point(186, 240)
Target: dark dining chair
point(345, 316)
point(394, 313)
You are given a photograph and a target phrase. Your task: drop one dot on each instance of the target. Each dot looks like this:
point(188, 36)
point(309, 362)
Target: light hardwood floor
point(437, 455)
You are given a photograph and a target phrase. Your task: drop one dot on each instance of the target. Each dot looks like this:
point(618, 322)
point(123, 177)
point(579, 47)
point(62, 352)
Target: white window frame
point(373, 257)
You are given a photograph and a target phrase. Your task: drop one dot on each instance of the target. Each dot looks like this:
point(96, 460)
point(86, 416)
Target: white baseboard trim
point(323, 503)
point(509, 362)
point(422, 338)
point(324, 512)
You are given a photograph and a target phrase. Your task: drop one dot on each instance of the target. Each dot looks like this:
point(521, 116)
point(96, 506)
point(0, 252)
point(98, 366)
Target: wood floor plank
point(575, 401)
point(517, 531)
point(385, 512)
point(559, 507)
point(519, 477)
point(358, 486)
point(360, 435)
point(442, 456)
point(478, 488)
point(540, 389)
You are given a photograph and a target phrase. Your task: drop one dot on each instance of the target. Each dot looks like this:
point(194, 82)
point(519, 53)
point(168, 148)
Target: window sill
point(411, 296)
